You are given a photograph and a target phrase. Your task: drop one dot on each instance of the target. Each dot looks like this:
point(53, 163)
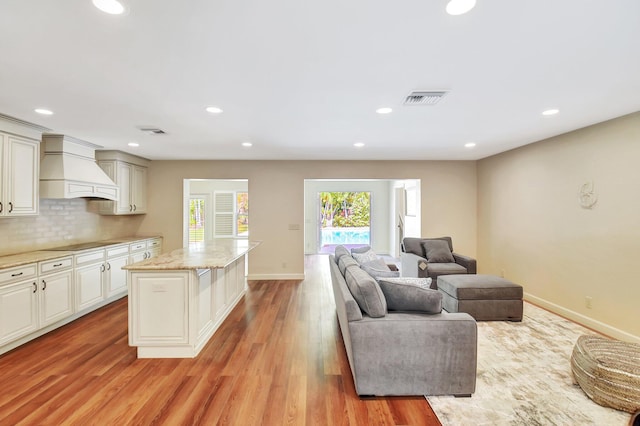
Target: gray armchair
point(432, 257)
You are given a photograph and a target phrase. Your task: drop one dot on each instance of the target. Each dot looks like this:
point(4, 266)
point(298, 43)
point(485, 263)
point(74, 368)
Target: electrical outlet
point(284, 265)
point(588, 302)
point(502, 273)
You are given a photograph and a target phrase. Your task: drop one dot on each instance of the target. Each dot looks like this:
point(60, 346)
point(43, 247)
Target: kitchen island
point(179, 299)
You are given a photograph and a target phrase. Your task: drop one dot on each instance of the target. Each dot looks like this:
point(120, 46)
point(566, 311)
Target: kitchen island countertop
point(212, 254)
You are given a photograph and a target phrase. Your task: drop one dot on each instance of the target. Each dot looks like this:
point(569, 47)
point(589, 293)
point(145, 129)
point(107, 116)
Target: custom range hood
point(68, 169)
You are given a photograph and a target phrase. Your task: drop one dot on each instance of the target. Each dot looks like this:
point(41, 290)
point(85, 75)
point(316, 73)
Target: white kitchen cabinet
point(18, 302)
point(205, 302)
point(19, 171)
point(55, 290)
point(129, 172)
point(173, 313)
point(115, 278)
point(89, 278)
point(145, 249)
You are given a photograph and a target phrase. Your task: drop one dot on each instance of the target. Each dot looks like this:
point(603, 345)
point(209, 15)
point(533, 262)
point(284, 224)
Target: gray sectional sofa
point(401, 352)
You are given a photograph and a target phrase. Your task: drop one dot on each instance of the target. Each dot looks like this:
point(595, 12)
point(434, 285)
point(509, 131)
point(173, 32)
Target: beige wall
point(531, 226)
point(276, 191)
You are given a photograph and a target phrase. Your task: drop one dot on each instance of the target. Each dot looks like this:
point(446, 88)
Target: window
point(196, 220)
point(231, 217)
point(242, 214)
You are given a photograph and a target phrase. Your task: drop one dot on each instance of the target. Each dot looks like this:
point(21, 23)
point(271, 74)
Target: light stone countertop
point(20, 259)
point(13, 260)
point(212, 254)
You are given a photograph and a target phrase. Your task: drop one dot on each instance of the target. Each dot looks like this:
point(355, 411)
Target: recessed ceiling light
point(551, 112)
point(43, 111)
point(134, 144)
point(247, 144)
point(112, 7)
point(359, 144)
point(214, 110)
point(384, 110)
point(459, 7)
point(469, 144)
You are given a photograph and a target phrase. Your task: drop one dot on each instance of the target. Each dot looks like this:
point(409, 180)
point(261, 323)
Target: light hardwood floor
point(277, 359)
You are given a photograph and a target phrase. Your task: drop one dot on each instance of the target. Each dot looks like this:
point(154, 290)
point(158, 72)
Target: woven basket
point(608, 371)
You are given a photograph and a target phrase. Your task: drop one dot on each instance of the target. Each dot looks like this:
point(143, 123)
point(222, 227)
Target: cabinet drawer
point(23, 272)
point(56, 265)
point(154, 243)
point(138, 245)
point(117, 251)
point(89, 257)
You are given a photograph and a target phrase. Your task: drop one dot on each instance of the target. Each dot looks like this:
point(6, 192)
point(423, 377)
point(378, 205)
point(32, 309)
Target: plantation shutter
point(224, 205)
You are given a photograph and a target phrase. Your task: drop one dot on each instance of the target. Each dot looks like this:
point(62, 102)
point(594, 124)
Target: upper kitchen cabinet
point(129, 172)
point(19, 167)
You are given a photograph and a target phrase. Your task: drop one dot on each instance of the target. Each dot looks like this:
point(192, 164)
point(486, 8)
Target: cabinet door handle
point(57, 264)
point(135, 208)
point(0, 206)
point(10, 206)
point(108, 266)
point(130, 207)
point(17, 275)
point(35, 287)
point(145, 255)
point(44, 285)
point(102, 268)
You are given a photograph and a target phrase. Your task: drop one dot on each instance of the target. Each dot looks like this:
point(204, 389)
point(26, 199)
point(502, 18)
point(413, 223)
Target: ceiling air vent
point(152, 131)
point(424, 97)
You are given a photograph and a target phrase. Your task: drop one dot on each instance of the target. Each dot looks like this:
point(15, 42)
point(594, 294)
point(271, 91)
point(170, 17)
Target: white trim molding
point(583, 319)
point(275, 277)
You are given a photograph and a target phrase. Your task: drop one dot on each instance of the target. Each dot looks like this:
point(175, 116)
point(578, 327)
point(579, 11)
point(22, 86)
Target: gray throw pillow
point(345, 262)
point(341, 251)
point(378, 269)
point(363, 254)
point(438, 251)
point(411, 294)
point(367, 292)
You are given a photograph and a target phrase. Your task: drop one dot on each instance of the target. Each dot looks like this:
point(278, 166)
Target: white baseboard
point(274, 277)
point(583, 319)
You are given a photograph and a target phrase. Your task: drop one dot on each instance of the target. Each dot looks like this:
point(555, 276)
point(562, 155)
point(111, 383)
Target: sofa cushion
point(437, 251)
point(341, 251)
point(345, 262)
point(436, 269)
point(363, 254)
point(378, 269)
point(367, 292)
point(413, 245)
point(411, 294)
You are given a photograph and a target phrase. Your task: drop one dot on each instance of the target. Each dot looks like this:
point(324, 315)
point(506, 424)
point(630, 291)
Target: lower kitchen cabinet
point(89, 285)
point(56, 297)
point(18, 310)
point(38, 297)
point(55, 290)
point(116, 277)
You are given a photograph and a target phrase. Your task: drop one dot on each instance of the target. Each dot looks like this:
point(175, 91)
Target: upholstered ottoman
point(484, 297)
point(608, 371)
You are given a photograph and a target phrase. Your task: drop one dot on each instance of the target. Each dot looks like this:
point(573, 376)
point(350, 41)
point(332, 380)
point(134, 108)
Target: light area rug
point(524, 378)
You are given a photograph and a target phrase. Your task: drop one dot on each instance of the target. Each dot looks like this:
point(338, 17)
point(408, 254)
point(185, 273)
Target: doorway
point(215, 208)
point(345, 219)
point(388, 219)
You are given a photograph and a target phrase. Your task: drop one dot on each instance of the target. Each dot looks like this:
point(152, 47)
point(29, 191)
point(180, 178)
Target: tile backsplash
point(63, 222)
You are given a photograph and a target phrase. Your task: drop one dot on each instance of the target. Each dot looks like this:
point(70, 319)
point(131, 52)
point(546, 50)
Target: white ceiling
point(302, 79)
